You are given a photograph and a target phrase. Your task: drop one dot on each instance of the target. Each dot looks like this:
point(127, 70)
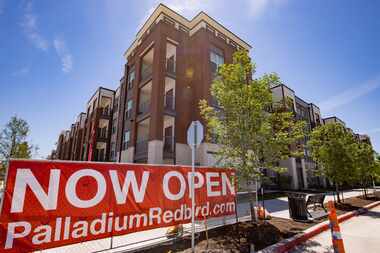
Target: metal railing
point(141, 148)
point(170, 66)
point(169, 146)
point(169, 102)
point(105, 111)
point(144, 107)
point(146, 72)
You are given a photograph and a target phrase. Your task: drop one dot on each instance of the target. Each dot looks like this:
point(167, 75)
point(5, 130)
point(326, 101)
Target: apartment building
point(333, 119)
point(169, 69)
point(98, 126)
point(77, 132)
point(89, 138)
point(114, 154)
point(300, 169)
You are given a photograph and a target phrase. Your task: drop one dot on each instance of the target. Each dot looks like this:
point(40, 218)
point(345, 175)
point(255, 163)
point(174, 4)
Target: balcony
point(125, 145)
point(144, 107)
point(169, 147)
point(214, 102)
point(170, 66)
point(102, 135)
point(105, 112)
point(141, 151)
point(99, 155)
point(169, 104)
point(146, 73)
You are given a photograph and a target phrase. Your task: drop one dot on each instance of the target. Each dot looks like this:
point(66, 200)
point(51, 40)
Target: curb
point(288, 244)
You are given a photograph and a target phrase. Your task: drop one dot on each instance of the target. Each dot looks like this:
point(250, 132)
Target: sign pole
point(192, 190)
point(194, 138)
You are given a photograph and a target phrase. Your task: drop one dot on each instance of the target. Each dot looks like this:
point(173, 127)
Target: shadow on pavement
point(372, 214)
point(311, 246)
point(276, 205)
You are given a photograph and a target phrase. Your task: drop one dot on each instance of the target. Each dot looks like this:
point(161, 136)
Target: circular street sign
point(195, 133)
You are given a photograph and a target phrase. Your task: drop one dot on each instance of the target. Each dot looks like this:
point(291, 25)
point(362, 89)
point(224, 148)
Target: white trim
point(201, 18)
point(172, 41)
point(147, 49)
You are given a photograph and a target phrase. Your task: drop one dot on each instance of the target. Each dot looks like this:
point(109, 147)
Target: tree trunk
point(337, 192)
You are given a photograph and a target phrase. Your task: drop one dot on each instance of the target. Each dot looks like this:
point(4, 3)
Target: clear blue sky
point(54, 54)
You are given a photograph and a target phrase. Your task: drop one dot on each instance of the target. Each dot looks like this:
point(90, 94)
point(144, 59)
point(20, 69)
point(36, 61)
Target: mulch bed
point(234, 238)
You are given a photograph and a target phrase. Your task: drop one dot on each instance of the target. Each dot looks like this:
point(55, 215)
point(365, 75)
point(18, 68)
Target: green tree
point(333, 148)
point(252, 132)
point(13, 141)
point(365, 164)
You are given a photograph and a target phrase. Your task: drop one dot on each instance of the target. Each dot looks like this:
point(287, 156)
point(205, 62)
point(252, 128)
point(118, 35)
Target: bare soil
point(237, 238)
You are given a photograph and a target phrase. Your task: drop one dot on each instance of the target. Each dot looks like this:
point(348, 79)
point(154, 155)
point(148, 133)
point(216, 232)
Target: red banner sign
point(49, 204)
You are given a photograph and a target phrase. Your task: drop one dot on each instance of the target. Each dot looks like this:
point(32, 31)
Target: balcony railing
point(144, 107)
point(170, 66)
point(105, 112)
point(141, 149)
point(146, 73)
point(169, 146)
point(128, 114)
point(102, 134)
point(169, 102)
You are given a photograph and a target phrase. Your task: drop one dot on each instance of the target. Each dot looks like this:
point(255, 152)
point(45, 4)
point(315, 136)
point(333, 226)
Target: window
point(127, 136)
point(113, 147)
point(114, 122)
point(216, 59)
point(131, 77)
point(116, 104)
point(129, 109)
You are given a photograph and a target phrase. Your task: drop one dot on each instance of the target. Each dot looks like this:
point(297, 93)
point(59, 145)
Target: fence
point(151, 238)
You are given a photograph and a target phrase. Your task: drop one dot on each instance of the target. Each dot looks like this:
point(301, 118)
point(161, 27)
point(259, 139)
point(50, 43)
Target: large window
point(131, 77)
point(129, 109)
point(113, 150)
point(114, 122)
point(216, 59)
point(127, 136)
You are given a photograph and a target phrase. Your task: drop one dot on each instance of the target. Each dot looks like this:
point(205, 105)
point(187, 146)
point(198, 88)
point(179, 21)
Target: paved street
point(360, 234)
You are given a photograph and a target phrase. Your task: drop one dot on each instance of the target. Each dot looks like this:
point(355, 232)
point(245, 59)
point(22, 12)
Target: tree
point(252, 132)
point(365, 164)
point(333, 148)
point(13, 141)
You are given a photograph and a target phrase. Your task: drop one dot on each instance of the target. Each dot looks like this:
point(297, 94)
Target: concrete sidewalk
point(279, 207)
point(360, 234)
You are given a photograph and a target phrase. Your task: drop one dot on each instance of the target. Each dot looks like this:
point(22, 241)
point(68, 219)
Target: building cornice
point(193, 25)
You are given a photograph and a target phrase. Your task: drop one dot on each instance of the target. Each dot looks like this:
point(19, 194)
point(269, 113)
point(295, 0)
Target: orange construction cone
point(337, 239)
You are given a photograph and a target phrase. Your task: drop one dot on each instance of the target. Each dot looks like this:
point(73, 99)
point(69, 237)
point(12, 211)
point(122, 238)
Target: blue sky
point(54, 54)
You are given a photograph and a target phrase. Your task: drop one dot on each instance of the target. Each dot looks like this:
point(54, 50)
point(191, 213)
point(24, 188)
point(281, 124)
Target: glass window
point(114, 122)
point(129, 105)
point(216, 59)
point(129, 109)
point(127, 136)
point(131, 77)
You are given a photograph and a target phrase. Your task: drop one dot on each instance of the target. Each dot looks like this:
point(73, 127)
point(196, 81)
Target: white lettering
point(44, 235)
point(226, 182)
point(12, 235)
point(155, 213)
point(25, 177)
point(71, 193)
point(198, 181)
point(211, 184)
point(170, 195)
point(80, 229)
point(130, 179)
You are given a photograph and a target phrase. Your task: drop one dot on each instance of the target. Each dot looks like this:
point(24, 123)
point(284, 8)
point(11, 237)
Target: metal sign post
point(194, 138)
